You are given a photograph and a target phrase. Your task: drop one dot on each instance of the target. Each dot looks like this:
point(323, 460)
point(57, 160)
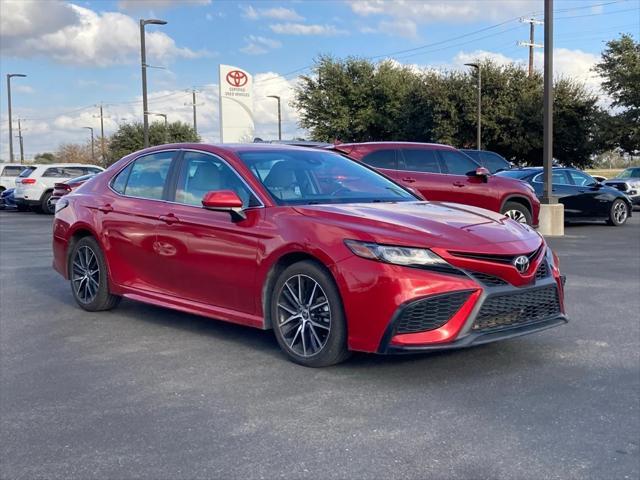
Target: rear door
point(589, 198)
point(420, 168)
point(130, 217)
point(563, 189)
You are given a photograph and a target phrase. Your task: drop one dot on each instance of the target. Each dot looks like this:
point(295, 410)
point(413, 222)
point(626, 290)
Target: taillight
point(62, 186)
point(28, 181)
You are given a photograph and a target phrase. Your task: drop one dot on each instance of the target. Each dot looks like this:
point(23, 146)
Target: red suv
point(325, 251)
point(443, 173)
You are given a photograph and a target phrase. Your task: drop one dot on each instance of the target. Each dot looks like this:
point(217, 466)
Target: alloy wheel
point(85, 274)
point(516, 215)
point(620, 212)
point(304, 315)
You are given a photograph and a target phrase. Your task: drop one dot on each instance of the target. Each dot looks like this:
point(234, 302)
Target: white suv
point(8, 174)
point(35, 184)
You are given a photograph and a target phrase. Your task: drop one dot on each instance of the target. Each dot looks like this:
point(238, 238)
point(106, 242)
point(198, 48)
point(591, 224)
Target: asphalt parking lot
point(143, 392)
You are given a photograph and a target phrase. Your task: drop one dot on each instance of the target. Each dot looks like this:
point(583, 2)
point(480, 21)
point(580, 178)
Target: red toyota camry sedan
point(331, 255)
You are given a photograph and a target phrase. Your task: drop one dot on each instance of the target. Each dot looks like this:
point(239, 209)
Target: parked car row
point(32, 186)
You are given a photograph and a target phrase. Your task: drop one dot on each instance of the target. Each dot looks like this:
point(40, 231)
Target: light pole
point(166, 125)
point(9, 77)
point(479, 134)
point(143, 63)
point(93, 157)
point(279, 116)
point(547, 116)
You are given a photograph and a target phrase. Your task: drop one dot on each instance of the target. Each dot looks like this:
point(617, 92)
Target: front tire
point(517, 212)
point(618, 213)
point(307, 316)
point(89, 277)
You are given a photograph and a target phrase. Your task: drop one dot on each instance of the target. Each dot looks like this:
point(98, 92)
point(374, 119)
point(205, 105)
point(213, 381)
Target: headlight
point(406, 256)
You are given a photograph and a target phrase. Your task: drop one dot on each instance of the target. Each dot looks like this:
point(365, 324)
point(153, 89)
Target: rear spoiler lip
point(346, 149)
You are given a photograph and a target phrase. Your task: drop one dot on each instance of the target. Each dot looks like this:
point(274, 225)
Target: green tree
point(130, 137)
point(620, 70)
point(45, 157)
point(356, 100)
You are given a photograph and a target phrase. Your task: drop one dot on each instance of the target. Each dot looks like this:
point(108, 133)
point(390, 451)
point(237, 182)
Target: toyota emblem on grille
point(521, 263)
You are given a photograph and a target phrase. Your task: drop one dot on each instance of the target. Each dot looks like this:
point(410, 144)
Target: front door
point(206, 256)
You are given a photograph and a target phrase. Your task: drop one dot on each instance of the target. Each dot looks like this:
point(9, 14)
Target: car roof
point(59, 165)
point(398, 144)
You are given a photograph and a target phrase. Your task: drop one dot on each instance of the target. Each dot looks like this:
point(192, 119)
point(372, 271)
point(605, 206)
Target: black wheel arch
point(524, 201)
point(274, 272)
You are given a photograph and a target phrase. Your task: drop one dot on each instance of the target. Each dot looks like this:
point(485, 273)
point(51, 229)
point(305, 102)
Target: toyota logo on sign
point(237, 78)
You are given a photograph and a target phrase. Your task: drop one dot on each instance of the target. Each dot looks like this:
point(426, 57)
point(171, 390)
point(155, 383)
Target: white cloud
point(304, 29)
point(23, 89)
point(137, 5)
point(47, 130)
point(401, 27)
point(88, 38)
point(276, 13)
point(453, 11)
point(574, 64)
point(257, 45)
point(25, 18)
point(467, 57)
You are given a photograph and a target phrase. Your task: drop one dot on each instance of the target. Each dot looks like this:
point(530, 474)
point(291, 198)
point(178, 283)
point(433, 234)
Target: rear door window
point(457, 163)
point(26, 172)
point(145, 177)
point(421, 160)
point(12, 171)
point(64, 172)
point(382, 159)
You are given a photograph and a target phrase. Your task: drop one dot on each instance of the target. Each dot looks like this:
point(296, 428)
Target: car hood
point(449, 226)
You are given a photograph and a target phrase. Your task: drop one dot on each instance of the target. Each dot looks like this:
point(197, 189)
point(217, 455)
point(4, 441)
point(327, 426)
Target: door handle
point(458, 184)
point(106, 208)
point(168, 219)
point(409, 180)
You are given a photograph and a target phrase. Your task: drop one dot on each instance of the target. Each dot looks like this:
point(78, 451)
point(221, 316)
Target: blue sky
point(77, 54)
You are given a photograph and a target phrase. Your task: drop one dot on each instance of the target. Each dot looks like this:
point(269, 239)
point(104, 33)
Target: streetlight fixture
point(9, 77)
point(479, 134)
point(279, 116)
point(166, 125)
point(93, 156)
point(143, 63)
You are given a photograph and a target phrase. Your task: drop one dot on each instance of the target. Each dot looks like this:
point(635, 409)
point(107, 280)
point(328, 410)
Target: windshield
point(298, 177)
point(629, 173)
point(514, 173)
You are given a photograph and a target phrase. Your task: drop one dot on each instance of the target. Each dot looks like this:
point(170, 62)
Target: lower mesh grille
point(501, 311)
point(430, 313)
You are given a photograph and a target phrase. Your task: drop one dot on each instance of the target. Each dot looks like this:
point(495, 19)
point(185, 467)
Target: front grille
point(497, 258)
point(489, 280)
point(543, 271)
point(510, 309)
point(430, 313)
point(622, 186)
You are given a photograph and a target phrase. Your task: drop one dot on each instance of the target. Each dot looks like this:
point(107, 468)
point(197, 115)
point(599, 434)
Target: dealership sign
point(236, 105)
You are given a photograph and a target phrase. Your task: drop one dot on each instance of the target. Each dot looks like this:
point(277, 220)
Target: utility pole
point(194, 105)
point(279, 115)
point(547, 196)
point(531, 43)
point(93, 156)
point(479, 121)
point(102, 151)
point(9, 77)
point(19, 136)
point(143, 64)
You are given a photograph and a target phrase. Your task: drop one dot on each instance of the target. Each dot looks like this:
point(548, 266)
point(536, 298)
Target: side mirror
point(481, 172)
point(224, 201)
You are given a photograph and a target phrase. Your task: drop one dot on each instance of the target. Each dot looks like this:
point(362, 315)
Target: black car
point(489, 160)
point(584, 198)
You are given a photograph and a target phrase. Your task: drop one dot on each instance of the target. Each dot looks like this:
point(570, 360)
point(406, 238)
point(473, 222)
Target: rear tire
point(89, 277)
point(45, 204)
point(307, 316)
point(618, 213)
point(517, 211)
